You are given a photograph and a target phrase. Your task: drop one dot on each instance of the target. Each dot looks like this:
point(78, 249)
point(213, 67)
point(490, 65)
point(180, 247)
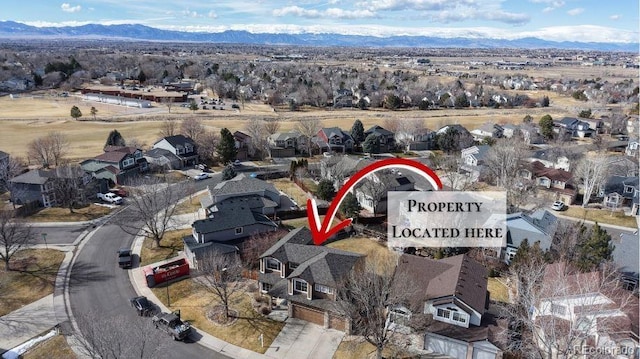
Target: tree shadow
point(84, 273)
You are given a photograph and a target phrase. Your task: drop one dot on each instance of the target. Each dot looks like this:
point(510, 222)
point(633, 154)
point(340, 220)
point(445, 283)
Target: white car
point(557, 206)
point(201, 176)
point(110, 198)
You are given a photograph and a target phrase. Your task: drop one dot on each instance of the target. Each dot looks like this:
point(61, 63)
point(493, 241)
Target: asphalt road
point(63, 235)
point(98, 285)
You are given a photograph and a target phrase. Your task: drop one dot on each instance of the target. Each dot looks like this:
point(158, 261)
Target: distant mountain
point(10, 29)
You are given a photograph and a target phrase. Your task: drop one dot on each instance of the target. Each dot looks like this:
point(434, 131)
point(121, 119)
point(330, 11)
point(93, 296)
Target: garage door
point(308, 314)
point(446, 346)
point(337, 322)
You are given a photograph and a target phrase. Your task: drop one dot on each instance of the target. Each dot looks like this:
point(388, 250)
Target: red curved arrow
point(322, 232)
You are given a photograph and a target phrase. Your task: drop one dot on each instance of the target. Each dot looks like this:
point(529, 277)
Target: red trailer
point(166, 272)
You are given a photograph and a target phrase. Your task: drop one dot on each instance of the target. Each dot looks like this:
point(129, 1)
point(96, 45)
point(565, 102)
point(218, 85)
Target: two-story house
point(308, 277)
point(287, 144)
point(118, 164)
point(540, 226)
point(573, 127)
point(333, 139)
point(473, 161)
point(372, 192)
point(554, 179)
point(385, 138)
point(180, 146)
point(619, 191)
point(244, 145)
point(487, 130)
point(339, 168)
point(586, 311)
point(550, 158)
point(453, 292)
point(39, 186)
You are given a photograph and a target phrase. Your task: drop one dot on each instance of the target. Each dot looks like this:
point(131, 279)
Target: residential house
point(550, 158)
point(385, 138)
point(531, 134)
point(308, 277)
point(333, 139)
point(632, 148)
point(573, 127)
point(509, 130)
point(287, 144)
point(244, 145)
point(453, 292)
point(339, 168)
point(117, 164)
point(540, 226)
point(549, 178)
point(344, 98)
point(423, 139)
point(582, 310)
point(181, 146)
point(258, 195)
point(372, 193)
point(620, 191)
point(597, 125)
point(38, 186)
point(473, 161)
point(487, 130)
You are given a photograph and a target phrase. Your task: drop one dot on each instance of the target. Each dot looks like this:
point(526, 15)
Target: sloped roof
point(556, 174)
point(336, 132)
point(179, 141)
point(458, 276)
point(38, 176)
point(234, 215)
point(617, 184)
point(378, 130)
point(300, 235)
point(241, 184)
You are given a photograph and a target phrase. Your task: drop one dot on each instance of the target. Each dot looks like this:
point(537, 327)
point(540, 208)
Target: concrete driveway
point(300, 339)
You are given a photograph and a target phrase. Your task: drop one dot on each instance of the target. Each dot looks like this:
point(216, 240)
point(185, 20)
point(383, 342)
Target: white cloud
point(334, 13)
point(576, 11)
point(615, 17)
point(553, 4)
point(189, 13)
point(66, 7)
point(212, 14)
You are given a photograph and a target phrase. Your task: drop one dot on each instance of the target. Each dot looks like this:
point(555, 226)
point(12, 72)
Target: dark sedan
point(143, 306)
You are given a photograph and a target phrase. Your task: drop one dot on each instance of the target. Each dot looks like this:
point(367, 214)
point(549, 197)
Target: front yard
point(374, 250)
point(32, 278)
point(170, 245)
point(194, 302)
point(57, 214)
point(602, 216)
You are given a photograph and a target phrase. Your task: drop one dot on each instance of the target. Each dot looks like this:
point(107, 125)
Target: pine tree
point(594, 249)
point(546, 126)
point(227, 146)
point(115, 139)
point(75, 112)
point(357, 132)
point(371, 144)
point(350, 206)
point(325, 190)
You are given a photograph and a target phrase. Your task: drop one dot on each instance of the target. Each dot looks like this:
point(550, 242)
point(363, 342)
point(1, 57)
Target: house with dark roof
point(339, 168)
point(540, 226)
point(39, 186)
point(473, 161)
point(385, 138)
point(573, 127)
point(118, 164)
point(287, 144)
point(372, 192)
point(549, 178)
point(180, 146)
point(625, 257)
point(244, 145)
point(487, 130)
point(333, 139)
point(550, 158)
point(620, 191)
point(307, 276)
point(453, 292)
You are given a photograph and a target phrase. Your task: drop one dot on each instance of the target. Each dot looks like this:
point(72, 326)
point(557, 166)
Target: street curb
point(604, 225)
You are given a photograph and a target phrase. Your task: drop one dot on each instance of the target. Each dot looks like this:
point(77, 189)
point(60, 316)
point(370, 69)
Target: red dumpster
point(166, 272)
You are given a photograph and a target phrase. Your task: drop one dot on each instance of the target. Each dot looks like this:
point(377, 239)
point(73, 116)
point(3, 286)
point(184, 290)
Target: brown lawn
point(499, 291)
point(374, 250)
point(617, 218)
point(292, 190)
point(190, 205)
point(32, 277)
point(57, 214)
point(56, 347)
point(170, 245)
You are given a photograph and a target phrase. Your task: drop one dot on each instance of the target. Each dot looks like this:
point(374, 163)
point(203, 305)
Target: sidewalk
point(27, 322)
point(297, 339)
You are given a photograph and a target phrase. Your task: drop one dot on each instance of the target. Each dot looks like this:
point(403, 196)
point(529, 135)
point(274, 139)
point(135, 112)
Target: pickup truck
point(172, 324)
point(124, 257)
point(110, 198)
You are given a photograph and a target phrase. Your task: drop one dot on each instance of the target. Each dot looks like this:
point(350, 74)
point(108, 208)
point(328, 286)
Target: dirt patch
point(218, 316)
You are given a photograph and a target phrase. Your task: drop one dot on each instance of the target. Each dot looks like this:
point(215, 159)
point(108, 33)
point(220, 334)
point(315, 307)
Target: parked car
point(143, 306)
point(125, 258)
point(110, 198)
point(203, 167)
point(201, 176)
point(557, 206)
point(172, 324)
point(119, 191)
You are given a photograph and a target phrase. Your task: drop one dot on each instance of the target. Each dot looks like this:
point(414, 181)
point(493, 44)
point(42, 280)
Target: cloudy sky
point(572, 20)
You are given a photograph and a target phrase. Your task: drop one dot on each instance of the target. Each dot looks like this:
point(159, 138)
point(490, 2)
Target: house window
point(265, 287)
point(299, 286)
point(273, 264)
point(293, 265)
point(558, 309)
point(459, 317)
point(238, 230)
point(323, 289)
point(128, 162)
point(180, 150)
point(399, 316)
point(628, 189)
point(443, 313)
point(188, 149)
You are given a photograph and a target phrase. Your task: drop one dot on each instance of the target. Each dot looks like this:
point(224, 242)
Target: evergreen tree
point(115, 139)
point(142, 77)
point(94, 112)
point(193, 106)
point(462, 101)
point(75, 112)
point(350, 206)
point(357, 132)
point(594, 249)
point(325, 190)
point(371, 144)
point(449, 141)
point(545, 101)
point(228, 173)
point(227, 146)
point(546, 126)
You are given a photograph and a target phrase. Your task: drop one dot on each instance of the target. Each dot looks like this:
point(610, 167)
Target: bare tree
point(15, 234)
point(168, 101)
point(591, 172)
point(503, 161)
point(207, 145)
point(449, 166)
point(192, 128)
point(374, 190)
point(257, 244)
point(103, 336)
point(407, 128)
point(256, 128)
point(308, 127)
point(10, 169)
point(221, 275)
point(168, 128)
point(151, 209)
point(48, 150)
point(272, 125)
point(364, 298)
point(69, 186)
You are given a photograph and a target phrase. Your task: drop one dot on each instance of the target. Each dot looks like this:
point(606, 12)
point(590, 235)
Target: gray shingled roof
point(232, 217)
point(300, 235)
point(625, 253)
point(379, 131)
point(179, 141)
point(38, 176)
point(241, 184)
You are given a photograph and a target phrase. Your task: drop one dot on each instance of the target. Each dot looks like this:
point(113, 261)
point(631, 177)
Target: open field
point(25, 119)
point(32, 277)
